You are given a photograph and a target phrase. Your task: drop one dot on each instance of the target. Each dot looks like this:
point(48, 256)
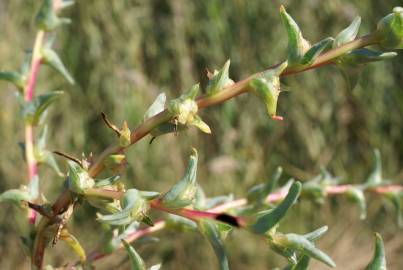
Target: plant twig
point(29, 136)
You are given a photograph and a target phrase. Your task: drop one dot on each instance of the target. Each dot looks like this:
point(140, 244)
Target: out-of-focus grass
point(123, 53)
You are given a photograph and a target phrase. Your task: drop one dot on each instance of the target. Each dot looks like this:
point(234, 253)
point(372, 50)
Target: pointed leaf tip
point(269, 218)
point(378, 261)
point(349, 33)
point(136, 262)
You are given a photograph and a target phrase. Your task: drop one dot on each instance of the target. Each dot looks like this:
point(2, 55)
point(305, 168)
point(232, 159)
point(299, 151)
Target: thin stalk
point(29, 132)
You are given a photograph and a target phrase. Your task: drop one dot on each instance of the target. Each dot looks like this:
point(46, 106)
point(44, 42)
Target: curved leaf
point(378, 261)
point(268, 219)
point(33, 110)
point(349, 33)
point(136, 261)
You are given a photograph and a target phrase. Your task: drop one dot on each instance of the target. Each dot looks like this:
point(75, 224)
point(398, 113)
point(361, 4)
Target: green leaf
point(258, 193)
point(78, 179)
point(297, 45)
point(33, 188)
point(209, 229)
point(375, 178)
point(15, 196)
point(110, 181)
point(125, 136)
point(395, 199)
point(74, 244)
point(33, 110)
point(42, 155)
point(302, 245)
point(269, 218)
point(378, 261)
point(136, 261)
point(219, 80)
point(356, 195)
point(198, 122)
point(302, 264)
point(316, 234)
point(363, 56)
point(15, 78)
point(181, 224)
point(267, 87)
point(51, 58)
point(47, 19)
point(183, 192)
point(389, 31)
point(348, 34)
point(157, 106)
point(134, 208)
point(310, 56)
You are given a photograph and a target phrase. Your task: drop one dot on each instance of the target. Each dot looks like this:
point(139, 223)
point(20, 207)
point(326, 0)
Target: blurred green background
point(123, 53)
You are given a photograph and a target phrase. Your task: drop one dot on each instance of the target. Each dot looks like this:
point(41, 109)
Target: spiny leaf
point(136, 261)
point(269, 218)
point(310, 56)
point(363, 56)
point(42, 155)
point(134, 208)
point(395, 199)
point(78, 180)
point(183, 192)
point(316, 234)
point(378, 261)
point(157, 106)
point(209, 229)
point(200, 124)
point(349, 33)
point(302, 245)
point(13, 77)
point(74, 244)
point(219, 80)
point(51, 58)
point(267, 87)
point(375, 177)
point(47, 19)
point(297, 45)
point(33, 110)
point(356, 195)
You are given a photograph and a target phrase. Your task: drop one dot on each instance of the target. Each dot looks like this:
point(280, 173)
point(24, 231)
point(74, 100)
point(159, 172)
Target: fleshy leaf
point(258, 193)
point(198, 122)
point(134, 208)
point(183, 192)
point(390, 30)
point(349, 33)
point(78, 179)
point(209, 229)
point(33, 110)
point(136, 261)
point(51, 58)
point(363, 56)
point(375, 178)
point(47, 19)
point(297, 45)
point(310, 56)
point(74, 244)
point(125, 135)
point(157, 106)
point(302, 245)
point(267, 87)
point(269, 218)
point(13, 77)
point(378, 261)
point(110, 181)
point(316, 234)
point(395, 199)
point(219, 80)
point(302, 264)
point(155, 267)
point(15, 196)
point(42, 155)
point(356, 195)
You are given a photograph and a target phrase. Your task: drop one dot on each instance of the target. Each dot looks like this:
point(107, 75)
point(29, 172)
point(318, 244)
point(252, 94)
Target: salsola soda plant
point(125, 210)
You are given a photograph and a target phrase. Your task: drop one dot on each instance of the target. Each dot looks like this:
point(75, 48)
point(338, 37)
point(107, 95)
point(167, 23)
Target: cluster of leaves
point(123, 210)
